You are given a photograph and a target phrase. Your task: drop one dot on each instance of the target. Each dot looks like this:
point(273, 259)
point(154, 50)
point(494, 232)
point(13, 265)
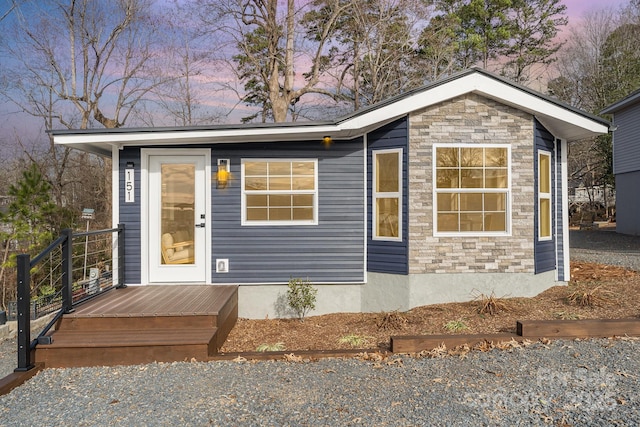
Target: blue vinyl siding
point(626, 146)
point(385, 256)
point(130, 216)
point(626, 167)
point(545, 252)
point(330, 252)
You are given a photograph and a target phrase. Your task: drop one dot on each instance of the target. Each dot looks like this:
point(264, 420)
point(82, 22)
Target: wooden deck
point(143, 324)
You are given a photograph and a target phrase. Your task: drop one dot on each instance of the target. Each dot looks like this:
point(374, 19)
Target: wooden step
point(578, 328)
point(418, 343)
point(129, 347)
point(70, 322)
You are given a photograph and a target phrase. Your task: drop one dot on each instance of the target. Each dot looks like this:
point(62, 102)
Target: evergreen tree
point(31, 212)
point(534, 26)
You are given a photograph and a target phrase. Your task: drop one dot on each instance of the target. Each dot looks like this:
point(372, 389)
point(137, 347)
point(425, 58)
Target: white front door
point(177, 218)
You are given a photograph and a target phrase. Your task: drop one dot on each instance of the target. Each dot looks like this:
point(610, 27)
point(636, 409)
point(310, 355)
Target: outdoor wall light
point(327, 141)
point(222, 176)
point(130, 165)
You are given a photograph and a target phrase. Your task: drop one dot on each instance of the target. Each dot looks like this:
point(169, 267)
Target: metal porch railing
point(69, 261)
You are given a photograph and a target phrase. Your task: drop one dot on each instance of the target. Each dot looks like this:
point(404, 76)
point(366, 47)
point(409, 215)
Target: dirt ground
point(595, 291)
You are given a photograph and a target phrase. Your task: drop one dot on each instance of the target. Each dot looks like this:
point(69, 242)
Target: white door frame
point(145, 154)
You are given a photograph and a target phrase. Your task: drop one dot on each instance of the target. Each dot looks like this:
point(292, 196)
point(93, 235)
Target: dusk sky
point(15, 124)
point(575, 8)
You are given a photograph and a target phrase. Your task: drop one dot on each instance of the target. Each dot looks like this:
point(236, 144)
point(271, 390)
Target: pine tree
point(31, 211)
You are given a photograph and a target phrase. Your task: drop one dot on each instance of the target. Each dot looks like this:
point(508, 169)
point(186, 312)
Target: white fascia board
point(197, 136)
point(564, 122)
point(412, 103)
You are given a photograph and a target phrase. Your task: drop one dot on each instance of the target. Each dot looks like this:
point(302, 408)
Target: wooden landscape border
point(525, 329)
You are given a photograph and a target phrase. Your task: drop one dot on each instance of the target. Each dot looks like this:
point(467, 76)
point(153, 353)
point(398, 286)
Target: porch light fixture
point(327, 141)
point(222, 176)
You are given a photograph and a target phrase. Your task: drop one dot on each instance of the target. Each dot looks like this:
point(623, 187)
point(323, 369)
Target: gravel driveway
point(594, 382)
point(605, 247)
point(578, 383)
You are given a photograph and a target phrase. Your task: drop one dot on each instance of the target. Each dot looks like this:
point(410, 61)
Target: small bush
point(301, 297)
point(279, 346)
point(455, 326)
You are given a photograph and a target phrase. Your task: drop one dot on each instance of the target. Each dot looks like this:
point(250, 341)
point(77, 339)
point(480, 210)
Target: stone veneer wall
point(470, 119)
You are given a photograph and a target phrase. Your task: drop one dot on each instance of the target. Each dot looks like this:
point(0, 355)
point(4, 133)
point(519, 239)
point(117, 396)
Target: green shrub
point(301, 296)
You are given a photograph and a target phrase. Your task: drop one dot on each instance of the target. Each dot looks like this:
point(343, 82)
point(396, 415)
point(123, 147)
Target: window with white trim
point(544, 195)
point(472, 189)
point(279, 191)
point(387, 194)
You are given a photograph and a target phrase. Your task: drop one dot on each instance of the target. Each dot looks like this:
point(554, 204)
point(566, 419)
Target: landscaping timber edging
point(525, 330)
point(16, 379)
point(578, 328)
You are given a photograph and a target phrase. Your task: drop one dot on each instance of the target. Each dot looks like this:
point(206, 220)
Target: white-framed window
point(544, 195)
point(279, 191)
point(387, 194)
point(472, 184)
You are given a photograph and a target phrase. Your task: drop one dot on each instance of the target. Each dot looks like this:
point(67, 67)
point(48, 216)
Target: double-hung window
point(544, 195)
point(279, 191)
point(387, 194)
point(472, 189)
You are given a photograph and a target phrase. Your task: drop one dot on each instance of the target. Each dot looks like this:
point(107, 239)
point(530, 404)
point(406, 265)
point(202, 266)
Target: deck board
point(157, 300)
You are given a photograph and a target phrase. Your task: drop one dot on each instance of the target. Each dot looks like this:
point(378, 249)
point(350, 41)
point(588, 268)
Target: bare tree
point(79, 64)
point(599, 64)
point(271, 49)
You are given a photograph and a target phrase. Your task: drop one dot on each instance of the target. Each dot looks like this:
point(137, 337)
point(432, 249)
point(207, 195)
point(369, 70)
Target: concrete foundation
point(388, 292)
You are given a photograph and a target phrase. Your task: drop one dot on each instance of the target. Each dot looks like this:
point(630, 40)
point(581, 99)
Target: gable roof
point(562, 120)
point(625, 102)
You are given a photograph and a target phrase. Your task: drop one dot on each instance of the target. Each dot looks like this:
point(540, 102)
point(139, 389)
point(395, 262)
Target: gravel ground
point(577, 383)
point(605, 247)
point(8, 356)
point(592, 382)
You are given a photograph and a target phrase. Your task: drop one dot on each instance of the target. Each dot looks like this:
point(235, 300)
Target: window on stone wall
point(387, 194)
point(472, 189)
point(544, 195)
point(279, 192)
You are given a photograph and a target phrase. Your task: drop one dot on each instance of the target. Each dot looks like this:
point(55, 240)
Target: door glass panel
point(178, 216)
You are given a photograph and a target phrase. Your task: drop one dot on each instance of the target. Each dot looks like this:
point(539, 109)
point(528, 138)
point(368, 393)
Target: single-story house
point(626, 161)
point(440, 194)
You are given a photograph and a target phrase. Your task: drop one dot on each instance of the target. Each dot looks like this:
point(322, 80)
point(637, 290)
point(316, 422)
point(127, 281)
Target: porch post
point(121, 283)
point(24, 313)
point(67, 271)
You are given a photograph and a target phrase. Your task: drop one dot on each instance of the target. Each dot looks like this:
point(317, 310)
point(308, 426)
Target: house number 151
point(129, 187)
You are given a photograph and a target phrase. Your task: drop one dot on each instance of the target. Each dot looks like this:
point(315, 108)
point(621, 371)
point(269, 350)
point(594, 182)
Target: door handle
point(201, 225)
